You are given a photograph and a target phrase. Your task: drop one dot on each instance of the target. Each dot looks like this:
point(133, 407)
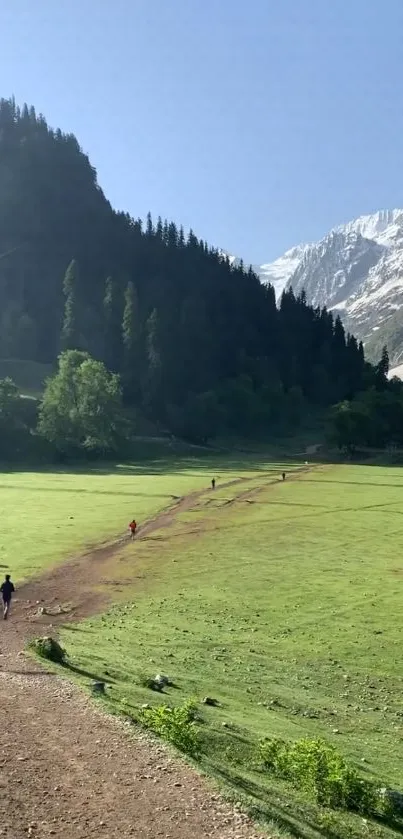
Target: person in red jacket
point(133, 528)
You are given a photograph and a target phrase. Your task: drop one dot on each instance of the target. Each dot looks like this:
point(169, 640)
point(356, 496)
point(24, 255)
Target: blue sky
point(261, 124)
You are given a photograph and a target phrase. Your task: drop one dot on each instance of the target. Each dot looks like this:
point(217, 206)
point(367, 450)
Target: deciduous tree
point(81, 406)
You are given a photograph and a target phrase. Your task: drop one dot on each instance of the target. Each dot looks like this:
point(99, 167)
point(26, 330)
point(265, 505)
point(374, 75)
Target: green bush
point(322, 772)
point(176, 725)
point(49, 649)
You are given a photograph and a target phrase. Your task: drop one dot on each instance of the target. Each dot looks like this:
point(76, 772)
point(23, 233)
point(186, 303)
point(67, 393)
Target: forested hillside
point(201, 346)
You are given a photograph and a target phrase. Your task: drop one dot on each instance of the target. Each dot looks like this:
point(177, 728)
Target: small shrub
point(273, 753)
point(49, 649)
point(176, 725)
point(322, 772)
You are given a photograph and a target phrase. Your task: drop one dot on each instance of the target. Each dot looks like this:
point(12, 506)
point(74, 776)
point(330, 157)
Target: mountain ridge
point(355, 270)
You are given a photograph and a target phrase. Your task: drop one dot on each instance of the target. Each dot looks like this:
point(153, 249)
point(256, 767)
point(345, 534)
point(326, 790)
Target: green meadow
point(48, 516)
point(282, 601)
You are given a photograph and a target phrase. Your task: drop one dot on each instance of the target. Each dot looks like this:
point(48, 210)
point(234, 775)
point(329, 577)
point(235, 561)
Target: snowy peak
point(382, 227)
point(278, 273)
point(356, 269)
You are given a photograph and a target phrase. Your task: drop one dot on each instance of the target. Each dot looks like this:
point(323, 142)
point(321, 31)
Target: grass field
point(285, 605)
point(48, 516)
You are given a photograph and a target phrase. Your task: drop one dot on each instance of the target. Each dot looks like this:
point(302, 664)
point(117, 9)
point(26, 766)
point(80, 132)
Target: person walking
point(213, 484)
point(7, 590)
point(133, 528)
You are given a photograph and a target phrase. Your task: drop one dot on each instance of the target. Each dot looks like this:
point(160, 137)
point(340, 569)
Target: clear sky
point(260, 123)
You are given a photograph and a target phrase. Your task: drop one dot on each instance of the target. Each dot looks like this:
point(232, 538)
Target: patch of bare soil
point(68, 770)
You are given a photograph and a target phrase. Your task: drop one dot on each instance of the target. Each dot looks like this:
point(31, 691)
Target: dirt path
point(75, 586)
point(66, 769)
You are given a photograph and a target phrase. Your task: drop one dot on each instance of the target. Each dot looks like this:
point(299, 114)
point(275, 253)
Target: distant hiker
point(283, 476)
point(213, 484)
point(133, 528)
point(7, 590)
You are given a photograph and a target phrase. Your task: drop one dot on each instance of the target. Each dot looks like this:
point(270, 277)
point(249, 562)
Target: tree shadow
point(79, 671)
point(266, 807)
point(163, 463)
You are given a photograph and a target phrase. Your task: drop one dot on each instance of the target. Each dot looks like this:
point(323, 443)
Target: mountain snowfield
point(356, 270)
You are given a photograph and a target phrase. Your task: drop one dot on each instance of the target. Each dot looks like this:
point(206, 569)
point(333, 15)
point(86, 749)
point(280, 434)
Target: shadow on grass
point(79, 671)
point(218, 463)
point(311, 479)
point(161, 461)
point(90, 491)
point(265, 807)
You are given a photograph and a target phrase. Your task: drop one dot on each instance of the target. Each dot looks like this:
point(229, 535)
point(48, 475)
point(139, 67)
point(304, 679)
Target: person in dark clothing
point(7, 590)
point(213, 484)
point(283, 476)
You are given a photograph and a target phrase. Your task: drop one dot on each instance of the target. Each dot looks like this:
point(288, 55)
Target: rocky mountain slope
point(357, 271)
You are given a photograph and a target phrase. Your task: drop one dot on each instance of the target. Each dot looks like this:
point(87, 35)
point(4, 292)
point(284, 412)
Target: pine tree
point(354, 367)
point(153, 352)
point(302, 297)
point(382, 370)
point(149, 225)
point(383, 365)
point(112, 312)
point(69, 336)
point(130, 319)
point(131, 343)
point(153, 394)
point(159, 229)
point(192, 240)
point(172, 235)
point(339, 368)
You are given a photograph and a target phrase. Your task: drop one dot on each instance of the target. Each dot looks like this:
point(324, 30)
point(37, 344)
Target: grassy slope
point(47, 516)
point(287, 610)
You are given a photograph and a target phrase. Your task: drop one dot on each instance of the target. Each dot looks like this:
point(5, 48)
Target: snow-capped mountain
point(278, 273)
point(356, 270)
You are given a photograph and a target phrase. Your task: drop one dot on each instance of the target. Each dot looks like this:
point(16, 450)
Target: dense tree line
point(199, 344)
point(373, 418)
